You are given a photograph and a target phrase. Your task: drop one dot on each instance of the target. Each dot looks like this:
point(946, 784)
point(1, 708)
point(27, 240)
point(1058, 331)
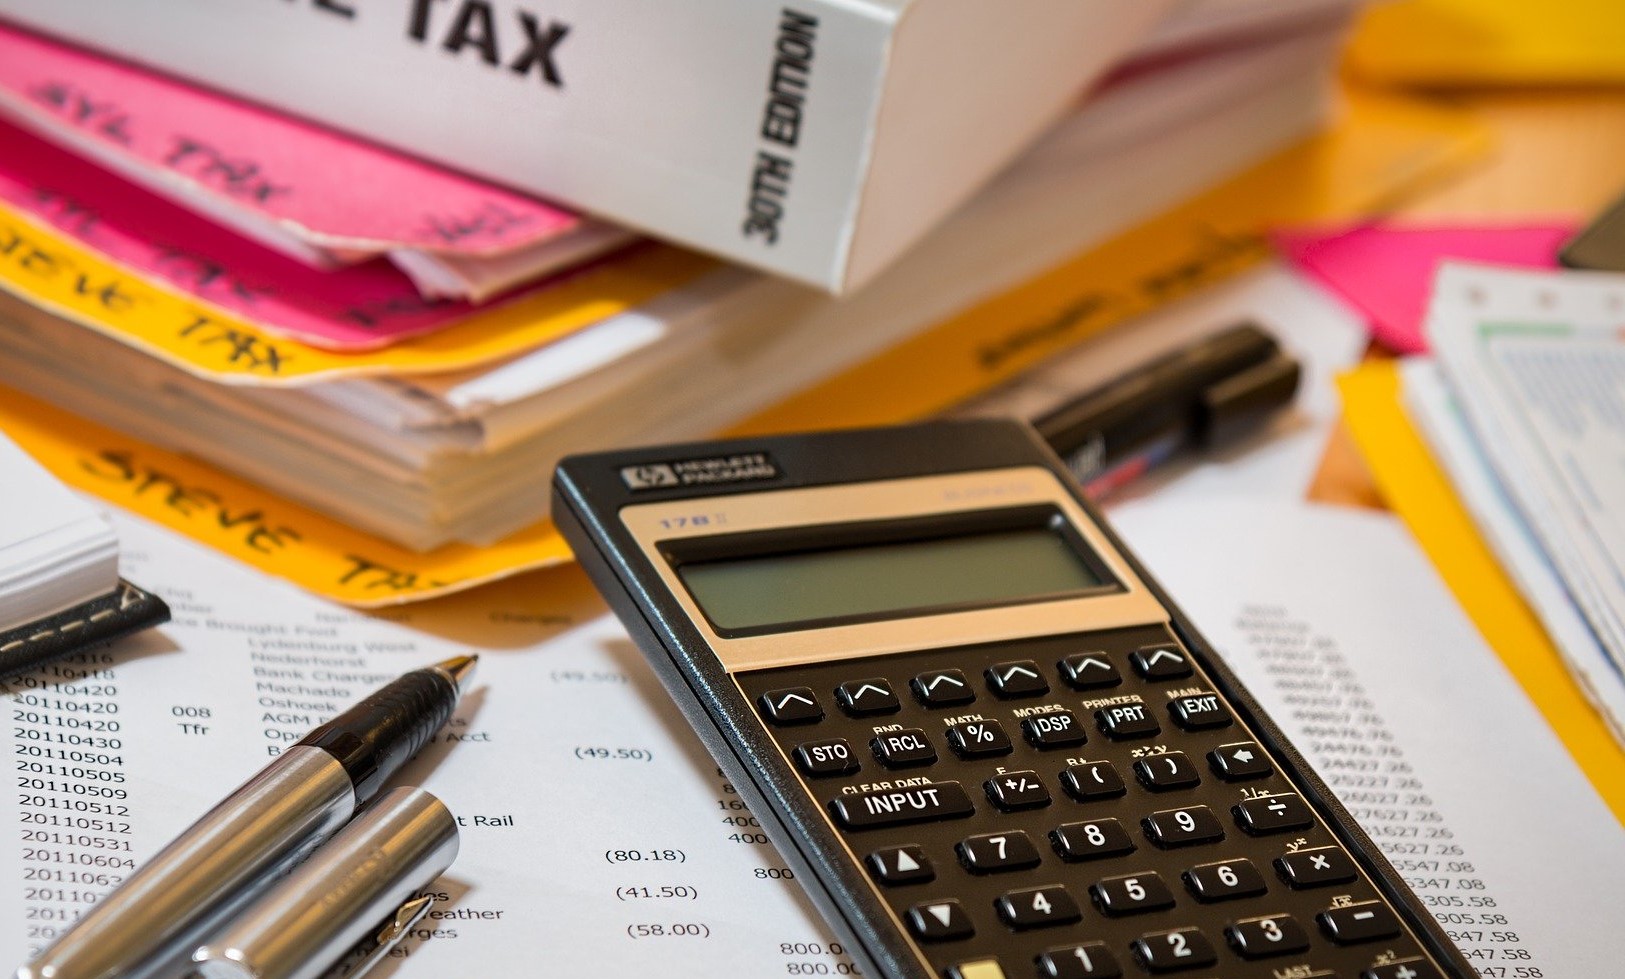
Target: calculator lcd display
point(879, 580)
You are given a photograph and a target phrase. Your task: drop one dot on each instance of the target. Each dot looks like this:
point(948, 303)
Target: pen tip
point(460, 670)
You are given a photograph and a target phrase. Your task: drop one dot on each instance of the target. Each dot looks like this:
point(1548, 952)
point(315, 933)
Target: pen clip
point(377, 945)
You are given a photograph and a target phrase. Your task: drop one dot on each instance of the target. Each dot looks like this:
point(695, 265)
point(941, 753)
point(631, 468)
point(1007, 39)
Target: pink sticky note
point(1387, 272)
point(357, 307)
point(333, 192)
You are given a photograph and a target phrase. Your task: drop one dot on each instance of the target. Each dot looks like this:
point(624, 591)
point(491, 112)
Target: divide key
point(910, 804)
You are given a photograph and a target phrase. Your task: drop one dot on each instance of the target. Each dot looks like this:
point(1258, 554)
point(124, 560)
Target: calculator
point(983, 739)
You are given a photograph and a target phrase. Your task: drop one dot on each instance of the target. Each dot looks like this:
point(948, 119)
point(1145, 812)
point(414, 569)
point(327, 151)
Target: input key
point(923, 803)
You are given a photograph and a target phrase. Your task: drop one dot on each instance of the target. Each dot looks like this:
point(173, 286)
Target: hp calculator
point(984, 740)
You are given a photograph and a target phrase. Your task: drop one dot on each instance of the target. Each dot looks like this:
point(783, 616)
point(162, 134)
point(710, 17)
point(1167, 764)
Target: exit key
point(1196, 712)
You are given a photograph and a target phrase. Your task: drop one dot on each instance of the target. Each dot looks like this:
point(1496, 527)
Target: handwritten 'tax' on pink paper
point(1387, 272)
point(334, 192)
point(358, 307)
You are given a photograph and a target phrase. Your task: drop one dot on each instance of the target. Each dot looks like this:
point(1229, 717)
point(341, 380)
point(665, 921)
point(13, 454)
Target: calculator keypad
point(1109, 817)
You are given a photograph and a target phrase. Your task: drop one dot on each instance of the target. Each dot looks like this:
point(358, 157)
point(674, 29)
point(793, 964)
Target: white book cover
point(815, 139)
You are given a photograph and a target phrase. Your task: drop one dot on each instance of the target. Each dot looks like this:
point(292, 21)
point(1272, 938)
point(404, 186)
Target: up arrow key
point(1161, 662)
point(1019, 679)
point(861, 698)
point(1090, 671)
point(791, 705)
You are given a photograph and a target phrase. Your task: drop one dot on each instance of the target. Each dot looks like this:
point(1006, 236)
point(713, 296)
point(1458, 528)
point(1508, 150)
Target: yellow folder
point(1420, 493)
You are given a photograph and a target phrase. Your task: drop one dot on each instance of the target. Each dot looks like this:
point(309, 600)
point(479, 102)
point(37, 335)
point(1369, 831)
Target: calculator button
point(1161, 662)
point(1199, 711)
point(1224, 880)
point(1092, 960)
point(910, 804)
point(939, 921)
point(1061, 729)
point(978, 739)
point(1262, 937)
point(1182, 827)
point(1018, 679)
point(1127, 721)
point(1171, 770)
point(1315, 868)
point(861, 698)
point(1091, 840)
point(1090, 671)
point(1355, 923)
point(1170, 951)
point(792, 705)
point(996, 853)
point(1017, 790)
point(977, 969)
point(1093, 780)
point(1131, 894)
point(1403, 969)
point(903, 749)
point(943, 688)
point(1038, 907)
point(1273, 814)
point(1241, 760)
point(898, 865)
point(824, 758)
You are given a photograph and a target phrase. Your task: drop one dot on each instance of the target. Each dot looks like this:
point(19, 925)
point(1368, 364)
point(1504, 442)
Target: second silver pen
point(257, 833)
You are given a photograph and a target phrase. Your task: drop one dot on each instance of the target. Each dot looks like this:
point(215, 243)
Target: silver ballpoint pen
point(162, 911)
point(341, 911)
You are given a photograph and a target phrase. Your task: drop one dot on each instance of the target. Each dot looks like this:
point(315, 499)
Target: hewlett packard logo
point(652, 476)
point(742, 468)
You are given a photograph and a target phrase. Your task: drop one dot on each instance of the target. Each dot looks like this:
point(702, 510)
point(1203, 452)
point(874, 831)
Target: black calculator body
point(984, 740)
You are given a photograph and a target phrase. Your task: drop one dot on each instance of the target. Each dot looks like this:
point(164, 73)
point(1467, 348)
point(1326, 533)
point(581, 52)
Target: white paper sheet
point(1430, 404)
point(1537, 363)
point(598, 838)
point(1342, 630)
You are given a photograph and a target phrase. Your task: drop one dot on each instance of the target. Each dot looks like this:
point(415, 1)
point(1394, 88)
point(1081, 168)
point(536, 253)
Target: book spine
point(739, 127)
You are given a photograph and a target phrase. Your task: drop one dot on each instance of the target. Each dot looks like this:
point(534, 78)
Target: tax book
point(59, 586)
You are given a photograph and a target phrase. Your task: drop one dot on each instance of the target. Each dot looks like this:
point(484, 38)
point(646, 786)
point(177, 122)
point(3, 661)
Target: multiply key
point(893, 807)
point(1315, 868)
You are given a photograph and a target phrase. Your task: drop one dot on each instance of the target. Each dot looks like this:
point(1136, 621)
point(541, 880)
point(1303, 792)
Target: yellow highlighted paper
point(48, 270)
point(1420, 493)
point(266, 531)
point(1379, 149)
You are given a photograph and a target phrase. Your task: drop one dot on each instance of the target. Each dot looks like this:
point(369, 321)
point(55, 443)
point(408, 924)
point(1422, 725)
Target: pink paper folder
point(357, 307)
point(330, 191)
point(1387, 272)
